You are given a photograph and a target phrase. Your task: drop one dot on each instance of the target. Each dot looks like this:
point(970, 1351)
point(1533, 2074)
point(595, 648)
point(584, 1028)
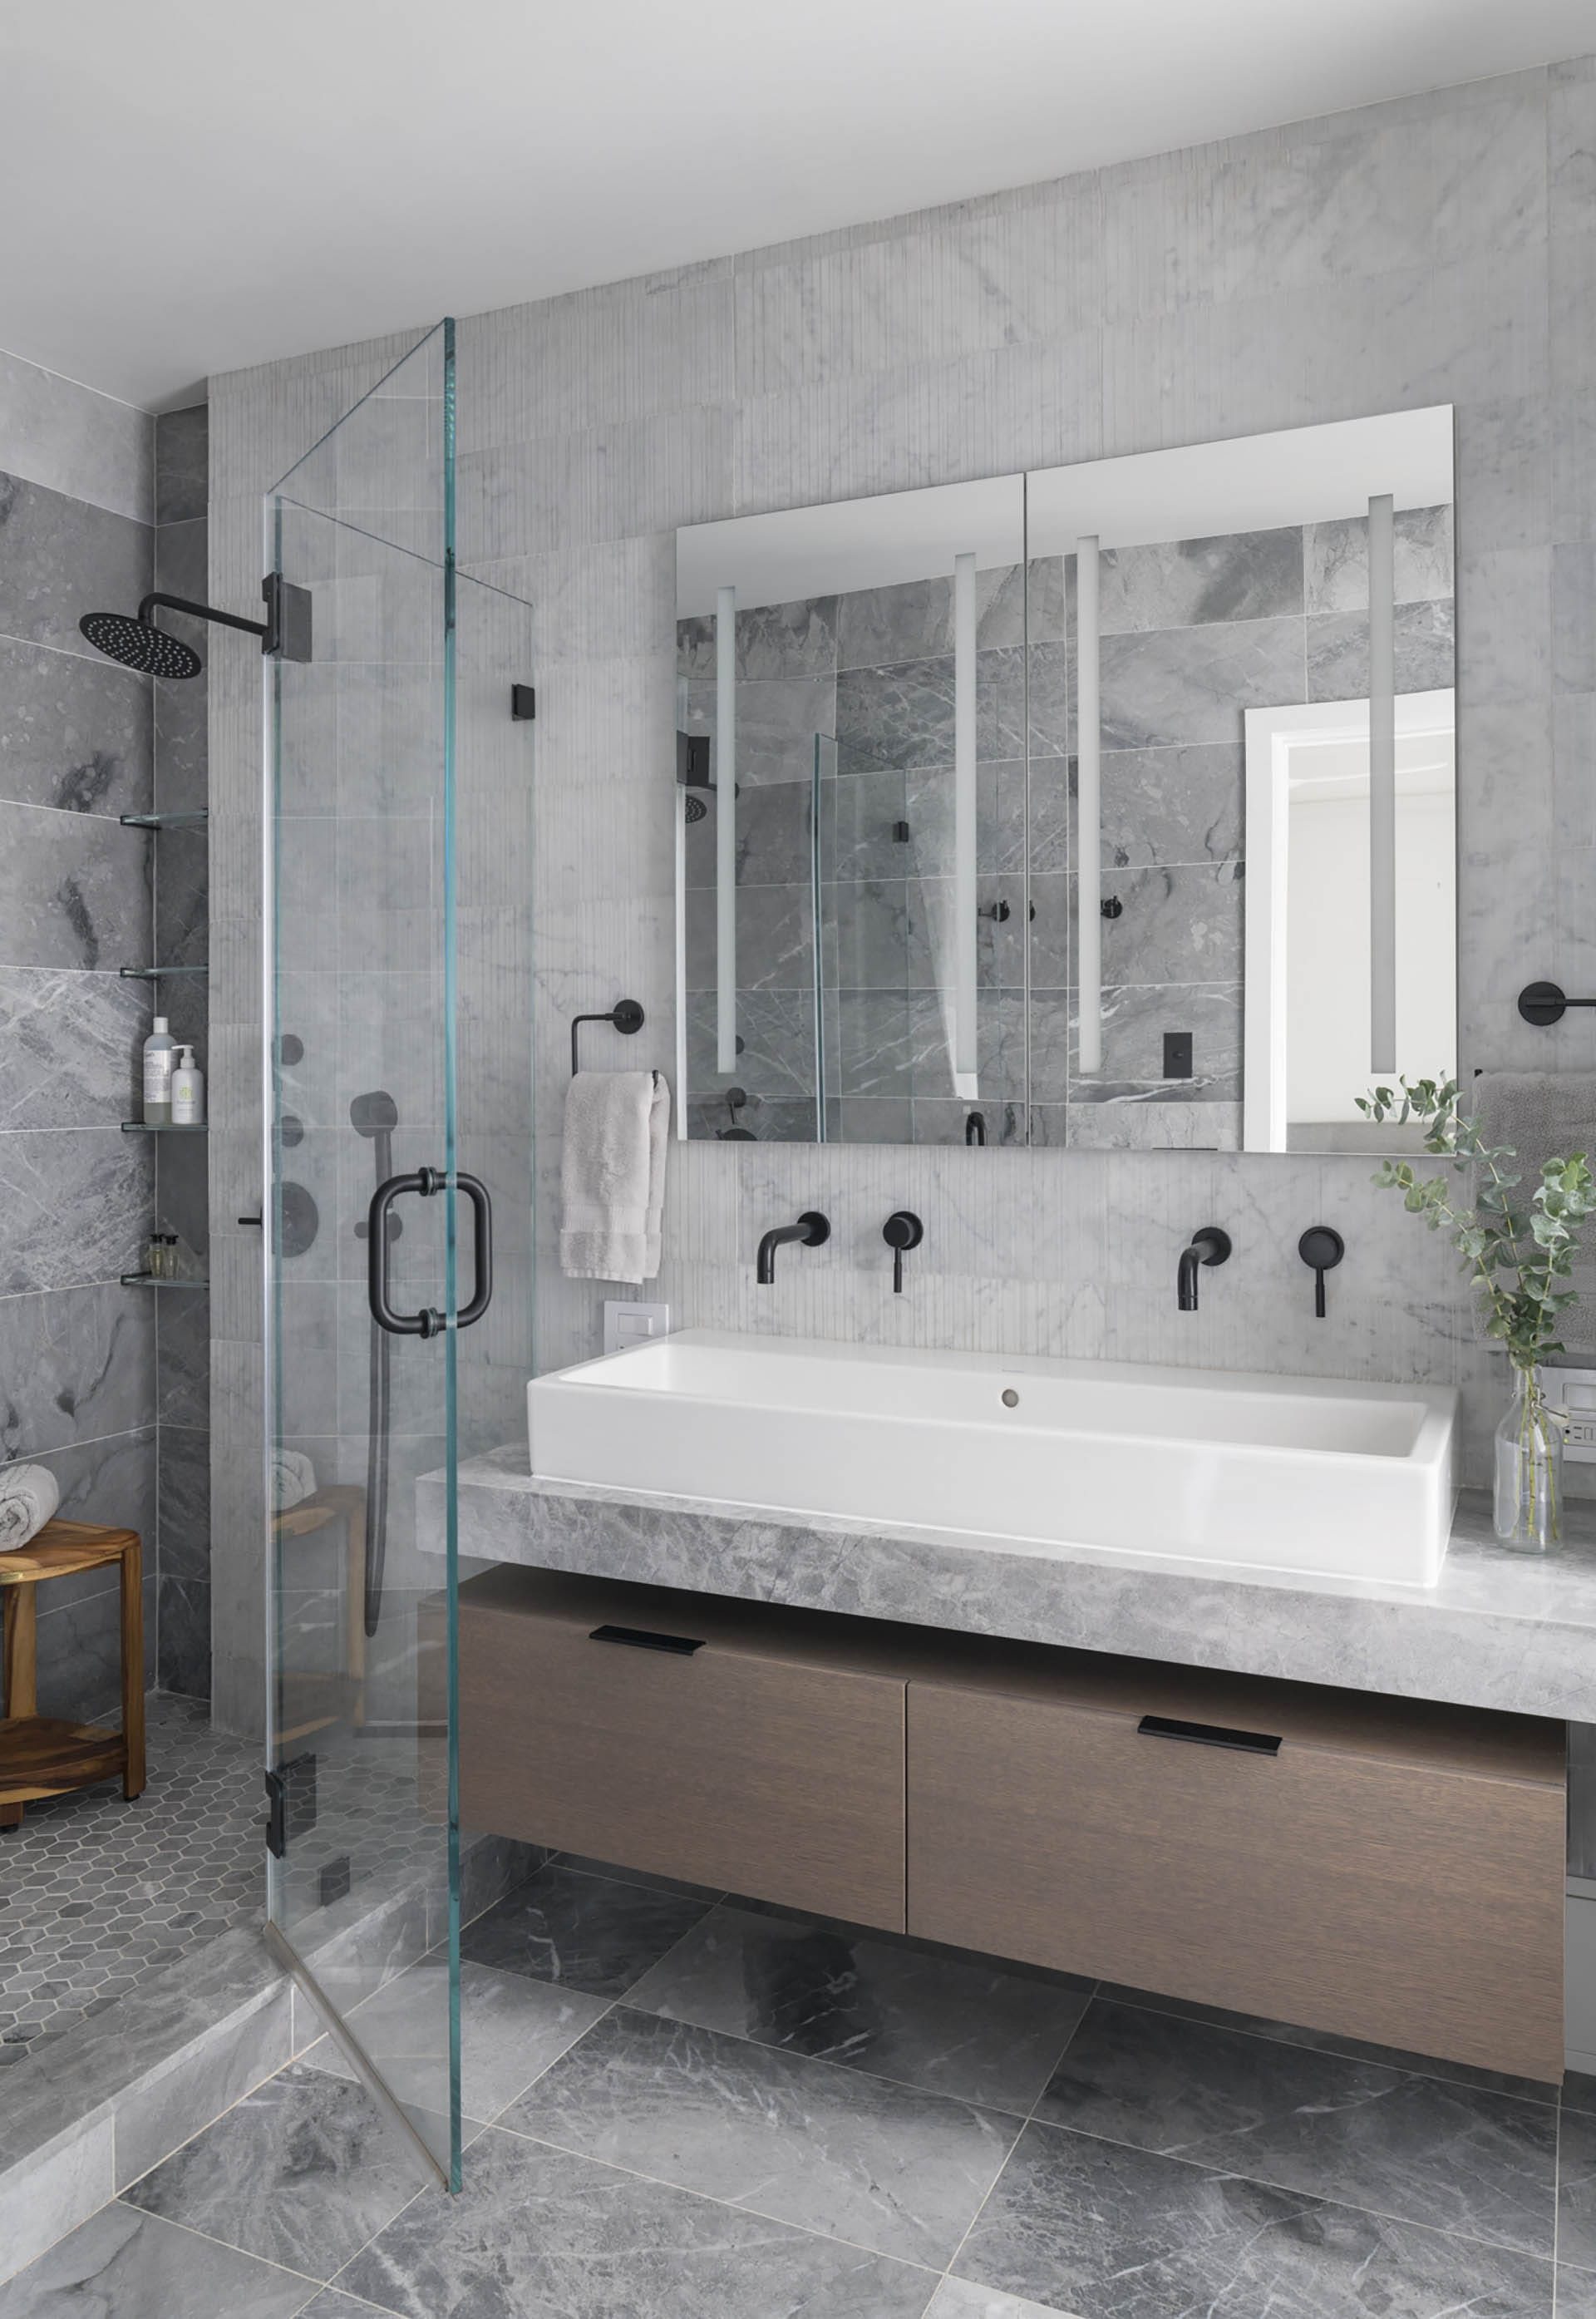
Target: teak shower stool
point(40, 1755)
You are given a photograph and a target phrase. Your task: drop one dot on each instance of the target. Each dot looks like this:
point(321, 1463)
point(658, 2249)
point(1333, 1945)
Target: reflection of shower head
point(696, 809)
point(376, 1113)
point(140, 644)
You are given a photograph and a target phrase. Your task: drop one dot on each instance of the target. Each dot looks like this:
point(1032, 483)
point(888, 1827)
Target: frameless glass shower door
point(398, 1138)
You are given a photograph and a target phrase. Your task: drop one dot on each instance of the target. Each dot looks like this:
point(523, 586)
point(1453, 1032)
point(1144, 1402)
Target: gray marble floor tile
point(1093, 2228)
point(831, 2150)
point(963, 2299)
point(1579, 2092)
point(1169, 685)
point(75, 1206)
point(540, 2234)
point(60, 558)
point(303, 2171)
point(126, 2265)
point(1250, 575)
point(644, 1877)
point(1338, 652)
point(1576, 2189)
point(1416, 2148)
point(511, 2028)
point(331, 2302)
point(588, 1932)
point(75, 889)
point(75, 733)
point(947, 2024)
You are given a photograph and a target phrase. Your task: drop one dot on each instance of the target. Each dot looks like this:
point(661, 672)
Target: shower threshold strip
point(155, 1280)
point(154, 973)
point(164, 1127)
point(196, 819)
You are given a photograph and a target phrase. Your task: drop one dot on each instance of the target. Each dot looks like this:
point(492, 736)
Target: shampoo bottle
point(188, 1092)
point(161, 1057)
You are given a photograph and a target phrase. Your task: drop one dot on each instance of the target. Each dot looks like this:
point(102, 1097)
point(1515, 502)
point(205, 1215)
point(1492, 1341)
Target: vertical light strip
point(966, 1066)
point(725, 829)
point(1381, 785)
point(1088, 815)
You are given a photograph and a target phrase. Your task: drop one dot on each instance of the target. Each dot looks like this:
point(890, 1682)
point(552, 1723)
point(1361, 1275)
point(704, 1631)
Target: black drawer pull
point(1209, 1735)
point(643, 1638)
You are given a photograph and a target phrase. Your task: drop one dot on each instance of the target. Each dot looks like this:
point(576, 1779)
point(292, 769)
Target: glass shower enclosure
point(397, 1141)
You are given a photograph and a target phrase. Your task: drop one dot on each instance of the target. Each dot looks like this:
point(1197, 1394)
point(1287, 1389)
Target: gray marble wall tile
point(183, 1503)
point(1251, 575)
point(1177, 926)
point(75, 1206)
point(76, 1364)
point(891, 718)
point(1338, 651)
point(59, 558)
point(777, 718)
point(1192, 684)
point(1336, 558)
point(75, 441)
point(1173, 805)
point(182, 463)
point(777, 1028)
point(1135, 1020)
point(75, 889)
point(784, 640)
point(773, 836)
point(75, 731)
point(878, 627)
point(182, 1609)
point(70, 1046)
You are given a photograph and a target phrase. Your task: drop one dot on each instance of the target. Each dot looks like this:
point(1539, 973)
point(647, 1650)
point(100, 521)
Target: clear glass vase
point(1529, 1468)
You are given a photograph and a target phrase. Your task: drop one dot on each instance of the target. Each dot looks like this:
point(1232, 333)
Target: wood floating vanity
point(1380, 1869)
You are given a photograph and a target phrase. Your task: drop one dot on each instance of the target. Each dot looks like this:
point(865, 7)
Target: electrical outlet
point(1177, 1054)
point(625, 1324)
point(1574, 1391)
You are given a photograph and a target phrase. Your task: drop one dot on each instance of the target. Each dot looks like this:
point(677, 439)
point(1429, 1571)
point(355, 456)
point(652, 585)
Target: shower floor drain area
point(99, 1897)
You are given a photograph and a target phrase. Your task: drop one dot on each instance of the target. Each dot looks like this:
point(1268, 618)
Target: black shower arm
point(200, 612)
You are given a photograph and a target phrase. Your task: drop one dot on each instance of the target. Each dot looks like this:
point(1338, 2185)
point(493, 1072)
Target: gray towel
point(1544, 1115)
point(28, 1495)
point(612, 1175)
point(293, 1478)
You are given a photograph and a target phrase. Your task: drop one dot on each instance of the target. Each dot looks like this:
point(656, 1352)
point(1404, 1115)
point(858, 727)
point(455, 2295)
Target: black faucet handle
point(1321, 1248)
point(902, 1230)
point(817, 1228)
point(1214, 1242)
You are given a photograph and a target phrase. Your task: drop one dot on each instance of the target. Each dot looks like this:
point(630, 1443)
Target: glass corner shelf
point(157, 1280)
point(196, 819)
point(154, 973)
point(164, 1127)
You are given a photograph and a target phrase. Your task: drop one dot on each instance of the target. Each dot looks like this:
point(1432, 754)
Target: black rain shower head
point(140, 644)
point(376, 1113)
point(696, 808)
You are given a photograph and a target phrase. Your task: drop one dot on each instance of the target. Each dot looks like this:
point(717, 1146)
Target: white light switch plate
point(633, 1325)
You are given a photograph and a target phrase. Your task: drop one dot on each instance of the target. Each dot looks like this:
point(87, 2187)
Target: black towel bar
point(626, 1016)
point(1543, 1004)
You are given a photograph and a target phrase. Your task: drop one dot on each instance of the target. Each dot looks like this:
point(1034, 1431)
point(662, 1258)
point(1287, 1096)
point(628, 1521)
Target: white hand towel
point(293, 1478)
point(612, 1175)
point(28, 1495)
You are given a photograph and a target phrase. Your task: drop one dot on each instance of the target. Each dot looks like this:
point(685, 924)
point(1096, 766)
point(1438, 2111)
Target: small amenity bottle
point(160, 1059)
point(188, 1092)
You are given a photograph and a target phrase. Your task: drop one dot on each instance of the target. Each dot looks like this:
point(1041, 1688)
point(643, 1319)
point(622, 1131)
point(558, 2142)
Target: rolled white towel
point(28, 1495)
point(293, 1478)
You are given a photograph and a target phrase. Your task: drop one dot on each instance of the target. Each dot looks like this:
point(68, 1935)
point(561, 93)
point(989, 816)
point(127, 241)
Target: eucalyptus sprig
point(1519, 1250)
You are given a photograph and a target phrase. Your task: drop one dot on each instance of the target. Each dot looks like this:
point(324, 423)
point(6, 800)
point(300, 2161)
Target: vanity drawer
point(1391, 1874)
point(767, 1760)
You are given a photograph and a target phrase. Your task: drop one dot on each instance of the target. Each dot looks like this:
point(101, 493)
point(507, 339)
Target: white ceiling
point(189, 185)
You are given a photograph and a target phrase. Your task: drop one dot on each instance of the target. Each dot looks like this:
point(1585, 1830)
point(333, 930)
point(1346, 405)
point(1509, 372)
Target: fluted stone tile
point(511, 2028)
point(182, 742)
point(1181, 583)
point(303, 2171)
point(74, 1363)
point(139, 2267)
point(1338, 651)
point(592, 1934)
point(75, 1206)
point(1428, 2152)
point(1095, 2229)
point(74, 732)
point(1167, 685)
point(60, 558)
point(947, 2024)
point(882, 2165)
point(75, 889)
point(539, 2233)
point(1336, 560)
point(70, 1046)
point(182, 463)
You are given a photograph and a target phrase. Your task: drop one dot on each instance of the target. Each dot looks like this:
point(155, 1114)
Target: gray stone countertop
point(1501, 1629)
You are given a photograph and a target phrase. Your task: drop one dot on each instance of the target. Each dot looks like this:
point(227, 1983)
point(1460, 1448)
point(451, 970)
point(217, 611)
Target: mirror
point(1232, 663)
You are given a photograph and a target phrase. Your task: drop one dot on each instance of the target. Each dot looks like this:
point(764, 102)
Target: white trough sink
point(1288, 1473)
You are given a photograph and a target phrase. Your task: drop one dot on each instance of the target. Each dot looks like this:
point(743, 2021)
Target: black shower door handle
point(424, 1182)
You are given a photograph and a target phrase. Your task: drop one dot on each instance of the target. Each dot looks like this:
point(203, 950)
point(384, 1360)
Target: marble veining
point(1498, 1631)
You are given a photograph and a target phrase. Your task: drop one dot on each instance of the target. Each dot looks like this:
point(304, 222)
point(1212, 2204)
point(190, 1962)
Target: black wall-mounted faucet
point(902, 1230)
point(1209, 1246)
point(811, 1229)
point(1321, 1248)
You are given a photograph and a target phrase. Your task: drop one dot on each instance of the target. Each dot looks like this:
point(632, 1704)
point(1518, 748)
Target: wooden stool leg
point(132, 1670)
point(21, 1670)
